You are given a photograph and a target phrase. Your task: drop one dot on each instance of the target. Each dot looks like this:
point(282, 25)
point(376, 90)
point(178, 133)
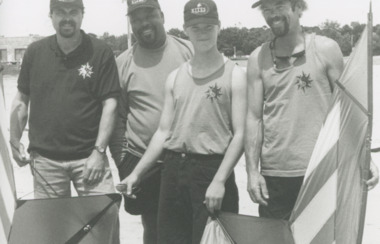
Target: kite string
point(21, 198)
point(39, 174)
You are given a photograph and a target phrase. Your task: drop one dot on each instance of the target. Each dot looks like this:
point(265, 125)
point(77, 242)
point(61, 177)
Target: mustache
point(276, 18)
point(67, 22)
point(141, 30)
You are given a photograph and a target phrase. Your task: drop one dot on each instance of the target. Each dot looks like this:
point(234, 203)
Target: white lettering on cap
point(201, 9)
point(138, 1)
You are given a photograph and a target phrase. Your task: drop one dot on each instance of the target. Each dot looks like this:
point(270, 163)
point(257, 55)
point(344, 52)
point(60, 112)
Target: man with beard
point(290, 84)
point(143, 70)
point(71, 82)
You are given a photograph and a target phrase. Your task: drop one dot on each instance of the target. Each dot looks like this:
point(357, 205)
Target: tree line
point(242, 41)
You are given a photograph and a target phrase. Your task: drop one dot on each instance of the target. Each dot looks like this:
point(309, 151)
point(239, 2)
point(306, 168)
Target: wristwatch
point(100, 149)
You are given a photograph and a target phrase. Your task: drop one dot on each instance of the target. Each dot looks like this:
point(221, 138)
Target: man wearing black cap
point(71, 82)
point(143, 70)
point(201, 132)
point(290, 84)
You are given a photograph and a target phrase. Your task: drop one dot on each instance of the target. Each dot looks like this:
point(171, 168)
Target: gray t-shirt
point(143, 75)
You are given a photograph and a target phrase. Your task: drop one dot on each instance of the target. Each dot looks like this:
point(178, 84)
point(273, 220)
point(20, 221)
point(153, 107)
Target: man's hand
point(374, 174)
point(94, 168)
point(214, 196)
point(129, 185)
point(19, 155)
point(257, 188)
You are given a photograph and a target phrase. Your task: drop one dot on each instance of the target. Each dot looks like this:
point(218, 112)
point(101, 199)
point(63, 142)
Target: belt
point(194, 155)
point(140, 152)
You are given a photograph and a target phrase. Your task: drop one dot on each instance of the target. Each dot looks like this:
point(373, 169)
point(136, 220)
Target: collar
point(76, 52)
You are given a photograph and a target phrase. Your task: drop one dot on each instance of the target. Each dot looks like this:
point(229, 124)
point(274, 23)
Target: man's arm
point(335, 65)
point(332, 57)
point(118, 141)
point(155, 147)
point(256, 184)
point(94, 166)
point(374, 180)
point(19, 118)
point(215, 192)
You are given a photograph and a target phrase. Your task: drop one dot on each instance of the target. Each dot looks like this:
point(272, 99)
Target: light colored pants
point(59, 174)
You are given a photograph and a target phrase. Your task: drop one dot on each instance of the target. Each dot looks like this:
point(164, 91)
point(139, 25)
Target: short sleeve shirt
point(66, 94)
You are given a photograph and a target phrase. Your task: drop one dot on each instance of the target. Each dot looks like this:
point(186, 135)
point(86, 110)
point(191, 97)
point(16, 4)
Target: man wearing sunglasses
point(290, 85)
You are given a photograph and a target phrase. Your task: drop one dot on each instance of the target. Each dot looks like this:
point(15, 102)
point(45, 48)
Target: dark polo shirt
point(66, 94)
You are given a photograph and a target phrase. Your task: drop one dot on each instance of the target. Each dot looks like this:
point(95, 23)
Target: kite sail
point(242, 229)
point(7, 184)
point(85, 220)
point(331, 205)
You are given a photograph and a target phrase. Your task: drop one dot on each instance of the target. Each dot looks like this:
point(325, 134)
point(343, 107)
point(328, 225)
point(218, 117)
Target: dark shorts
point(283, 193)
point(147, 197)
point(182, 215)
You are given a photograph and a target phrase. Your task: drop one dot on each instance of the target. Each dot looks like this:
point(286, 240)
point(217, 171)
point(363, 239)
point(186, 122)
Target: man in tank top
point(201, 131)
point(290, 84)
point(143, 70)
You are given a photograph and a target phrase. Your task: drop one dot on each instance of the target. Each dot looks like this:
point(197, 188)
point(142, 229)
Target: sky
point(25, 17)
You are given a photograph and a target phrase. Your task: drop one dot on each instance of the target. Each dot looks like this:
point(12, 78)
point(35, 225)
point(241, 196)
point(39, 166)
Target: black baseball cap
point(200, 11)
point(66, 3)
point(136, 4)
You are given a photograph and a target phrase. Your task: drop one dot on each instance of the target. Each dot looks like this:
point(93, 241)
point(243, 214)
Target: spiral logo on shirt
point(86, 71)
point(201, 9)
point(303, 81)
point(214, 92)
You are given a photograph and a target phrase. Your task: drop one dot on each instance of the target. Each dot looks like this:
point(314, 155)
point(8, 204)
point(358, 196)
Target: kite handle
point(89, 225)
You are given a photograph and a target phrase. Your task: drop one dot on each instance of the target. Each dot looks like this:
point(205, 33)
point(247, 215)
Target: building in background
point(12, 49)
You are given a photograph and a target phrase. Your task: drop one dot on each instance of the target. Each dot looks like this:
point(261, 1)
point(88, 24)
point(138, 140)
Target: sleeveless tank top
point(296, 100)
point(202, 120)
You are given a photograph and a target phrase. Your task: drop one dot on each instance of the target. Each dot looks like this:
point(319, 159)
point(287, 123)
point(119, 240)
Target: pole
point(367, 165)
point(370, 69)
point(129, 39)
point(129, 33)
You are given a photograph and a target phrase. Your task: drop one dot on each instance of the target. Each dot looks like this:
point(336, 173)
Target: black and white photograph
point(189, 122)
